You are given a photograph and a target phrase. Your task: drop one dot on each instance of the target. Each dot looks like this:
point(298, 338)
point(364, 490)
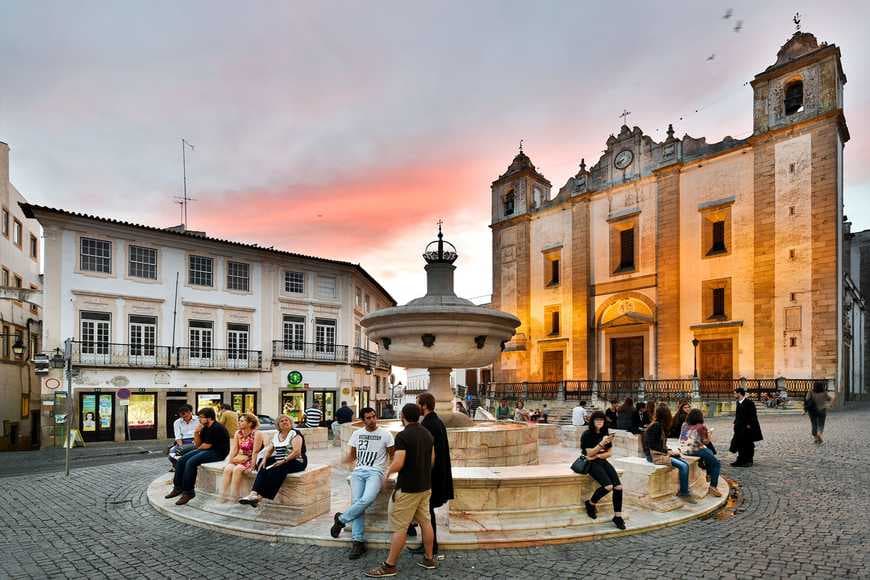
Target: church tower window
point(794, 97)
point(718, 234)
point(509, 201)
point(626, 250)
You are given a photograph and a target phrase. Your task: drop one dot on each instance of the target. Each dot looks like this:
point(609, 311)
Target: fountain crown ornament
point(440, 251)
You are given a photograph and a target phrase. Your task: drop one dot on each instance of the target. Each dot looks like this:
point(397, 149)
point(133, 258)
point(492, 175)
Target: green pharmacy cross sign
point(294, 378)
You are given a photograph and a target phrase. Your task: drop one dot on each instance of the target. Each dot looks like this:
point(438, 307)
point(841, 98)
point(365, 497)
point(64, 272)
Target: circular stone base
point(240, 521)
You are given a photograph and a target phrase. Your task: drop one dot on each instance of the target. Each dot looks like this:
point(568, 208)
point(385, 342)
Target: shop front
point(213, 400)
point(96, 416)
point(244, 402)
point(360, 399)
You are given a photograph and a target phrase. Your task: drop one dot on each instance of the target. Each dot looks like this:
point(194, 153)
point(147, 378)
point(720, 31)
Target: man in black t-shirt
point(212, 444)
point(413, 459)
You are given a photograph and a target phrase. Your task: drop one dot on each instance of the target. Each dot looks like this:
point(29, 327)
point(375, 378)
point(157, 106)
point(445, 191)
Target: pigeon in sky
point(728, 14)
point(711, 57)
point(739, 26)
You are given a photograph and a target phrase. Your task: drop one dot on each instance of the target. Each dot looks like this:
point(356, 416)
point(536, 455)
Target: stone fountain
point(441, 331)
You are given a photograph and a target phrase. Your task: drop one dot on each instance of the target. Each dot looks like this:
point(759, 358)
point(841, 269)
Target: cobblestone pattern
point(805, 516)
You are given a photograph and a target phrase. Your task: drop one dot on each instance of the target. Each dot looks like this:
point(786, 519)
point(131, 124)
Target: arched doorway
point(625, 333)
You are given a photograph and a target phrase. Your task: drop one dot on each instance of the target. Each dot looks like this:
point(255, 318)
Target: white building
point(174, 316)
point(19, 317)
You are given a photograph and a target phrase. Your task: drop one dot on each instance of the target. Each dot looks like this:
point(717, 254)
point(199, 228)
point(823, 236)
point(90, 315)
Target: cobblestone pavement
point(806, 514)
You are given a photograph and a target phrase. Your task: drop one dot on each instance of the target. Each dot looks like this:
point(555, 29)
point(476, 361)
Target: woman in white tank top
point(285, 454)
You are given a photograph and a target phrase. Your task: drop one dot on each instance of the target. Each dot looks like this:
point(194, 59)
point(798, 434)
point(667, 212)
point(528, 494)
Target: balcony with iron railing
point(110, 354)
point(309, 351)
point(218, 358)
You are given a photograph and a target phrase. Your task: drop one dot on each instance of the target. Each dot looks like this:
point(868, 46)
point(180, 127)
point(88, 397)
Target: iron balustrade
point(309, 351)
point(618, 390)
point(364, 357)
point(668, 389)
point(111, 354)
point(578, 390)
point(218, 358)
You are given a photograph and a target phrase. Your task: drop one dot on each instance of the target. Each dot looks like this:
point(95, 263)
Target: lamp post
point(695, 342)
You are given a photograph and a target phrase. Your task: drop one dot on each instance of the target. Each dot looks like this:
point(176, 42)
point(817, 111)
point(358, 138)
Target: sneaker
point(591, 510)
point(428, 564)
point(357, 550)
point(619, 522)
point(382, 571)
point(185, 497)
point(337, 525)
point(174, 493)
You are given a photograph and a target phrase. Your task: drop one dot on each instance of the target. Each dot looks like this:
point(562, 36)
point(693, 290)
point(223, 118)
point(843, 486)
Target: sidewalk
point(53, 459)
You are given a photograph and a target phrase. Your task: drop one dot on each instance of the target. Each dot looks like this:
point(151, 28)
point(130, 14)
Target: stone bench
point(653, 486)
point(521, 498)
point(569, 435)
point(302, 497)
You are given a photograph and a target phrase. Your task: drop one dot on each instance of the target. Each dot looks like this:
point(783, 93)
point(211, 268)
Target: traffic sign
point(123, 394)
point(52, 384)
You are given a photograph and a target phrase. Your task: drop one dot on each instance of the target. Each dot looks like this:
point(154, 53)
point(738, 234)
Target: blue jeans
point(683, 468)
point(713, 464)
point(185, 468)
point(365, 484)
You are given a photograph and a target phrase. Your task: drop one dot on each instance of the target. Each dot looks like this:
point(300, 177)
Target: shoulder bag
point(580, 465)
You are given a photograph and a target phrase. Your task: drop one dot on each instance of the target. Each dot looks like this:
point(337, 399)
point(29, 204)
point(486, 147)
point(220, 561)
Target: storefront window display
point(293, 404)
point(212, 400)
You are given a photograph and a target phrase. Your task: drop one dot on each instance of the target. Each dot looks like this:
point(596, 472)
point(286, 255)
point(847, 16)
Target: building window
point(792, 341)
point(6, 338)
point(143, 335)
point(34, 247)
point(33, 307)
point(324, 335)
point(509, 201)
point(5, 223)
point(17, 233)
point(143, 262)
point(19, 283)
point(201, 271)
point(237, 341)
point(199, 335)
point(238, 276)
point(96, 256)
point(357, 298)
point(95, 332)
point(294, 282)
point(718, 235)
point(717, 299)
point(294, 332)
point(326, 286)
point(4, 277)
point(554, 323)
point(367, 303)
point(794, 97)
point(357, 336)
point(718, 303)
point(538, 196)
point(626, 250)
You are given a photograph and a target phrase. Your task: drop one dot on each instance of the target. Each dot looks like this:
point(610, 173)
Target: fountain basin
point(484, 444)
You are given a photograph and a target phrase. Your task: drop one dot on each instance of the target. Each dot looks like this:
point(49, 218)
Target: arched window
point(794, 97)
point(509, 203)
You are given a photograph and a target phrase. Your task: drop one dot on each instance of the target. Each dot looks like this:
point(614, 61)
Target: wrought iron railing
point(218, 358)
point(364, 357)
point(668, 389)
point(578, 390)
point(618, 390)
point(309, 351)
point(110, 354)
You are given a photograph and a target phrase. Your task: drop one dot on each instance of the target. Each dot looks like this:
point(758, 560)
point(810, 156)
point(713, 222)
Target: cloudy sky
point(347, 129)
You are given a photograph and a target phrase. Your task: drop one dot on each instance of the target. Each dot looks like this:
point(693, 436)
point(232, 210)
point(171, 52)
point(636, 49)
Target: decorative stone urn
point(440, 331)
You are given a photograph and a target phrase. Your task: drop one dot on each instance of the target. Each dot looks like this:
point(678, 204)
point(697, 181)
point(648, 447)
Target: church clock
point(623, 159)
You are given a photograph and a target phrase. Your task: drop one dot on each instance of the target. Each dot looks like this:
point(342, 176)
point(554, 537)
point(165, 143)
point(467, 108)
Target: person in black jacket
point(683, 408)
point(442, 473)
point(747, 430)
point(627, 418)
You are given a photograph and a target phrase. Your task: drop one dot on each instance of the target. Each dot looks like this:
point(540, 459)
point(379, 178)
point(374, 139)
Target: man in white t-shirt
point(369, 449)
point(579, 415)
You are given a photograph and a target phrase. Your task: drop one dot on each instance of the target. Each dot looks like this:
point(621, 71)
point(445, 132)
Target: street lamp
point(18, 347)
point(369, 370)
point(695, 342)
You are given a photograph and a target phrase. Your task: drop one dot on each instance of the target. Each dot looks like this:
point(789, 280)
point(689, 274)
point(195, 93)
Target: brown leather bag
point(240, 459)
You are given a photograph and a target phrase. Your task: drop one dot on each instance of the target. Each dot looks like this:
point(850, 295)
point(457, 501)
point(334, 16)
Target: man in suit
point(746, 430)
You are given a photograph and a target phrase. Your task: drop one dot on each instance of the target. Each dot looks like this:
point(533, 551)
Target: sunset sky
point(347, 129)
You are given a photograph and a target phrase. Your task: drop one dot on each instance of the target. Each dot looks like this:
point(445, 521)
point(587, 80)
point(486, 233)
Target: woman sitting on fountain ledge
point(285, 454)
point(655, 444)
point(597, 446)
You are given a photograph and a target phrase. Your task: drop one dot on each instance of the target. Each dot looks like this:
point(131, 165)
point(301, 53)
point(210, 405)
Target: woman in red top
point(244, 448)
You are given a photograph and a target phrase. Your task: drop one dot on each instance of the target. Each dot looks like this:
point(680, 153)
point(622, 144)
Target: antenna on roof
point(184, 199)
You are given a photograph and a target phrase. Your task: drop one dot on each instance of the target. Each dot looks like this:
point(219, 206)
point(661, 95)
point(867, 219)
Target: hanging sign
point(294, 378)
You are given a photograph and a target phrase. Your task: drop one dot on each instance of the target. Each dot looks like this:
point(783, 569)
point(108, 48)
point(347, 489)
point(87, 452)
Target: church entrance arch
point(625, 331)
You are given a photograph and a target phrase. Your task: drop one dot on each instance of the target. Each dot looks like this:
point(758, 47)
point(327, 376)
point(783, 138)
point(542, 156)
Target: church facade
point(666, 259)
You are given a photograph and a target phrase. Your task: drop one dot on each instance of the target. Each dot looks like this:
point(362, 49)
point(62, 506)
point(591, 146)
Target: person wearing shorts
point(412, 460)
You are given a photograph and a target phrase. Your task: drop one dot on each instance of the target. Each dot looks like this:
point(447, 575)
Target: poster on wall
point(140, 413)
point(89, 413)
point(105, 411)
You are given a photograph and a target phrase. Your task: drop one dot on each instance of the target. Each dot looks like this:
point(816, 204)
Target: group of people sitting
point(519, 413)
point(597, 446)
point(246, 451)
